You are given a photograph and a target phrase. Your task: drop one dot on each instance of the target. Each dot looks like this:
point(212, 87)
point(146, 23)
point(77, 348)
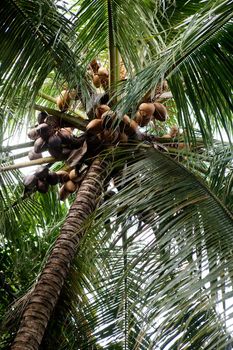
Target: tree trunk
point(44, 296)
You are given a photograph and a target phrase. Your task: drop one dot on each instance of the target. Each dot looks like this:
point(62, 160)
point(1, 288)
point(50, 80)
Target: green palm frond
point(198, 67)
point(35, 40)
point(155, 269)
point(131, 27)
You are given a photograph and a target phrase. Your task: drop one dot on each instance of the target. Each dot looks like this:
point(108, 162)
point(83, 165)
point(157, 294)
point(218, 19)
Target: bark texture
point(44, 296)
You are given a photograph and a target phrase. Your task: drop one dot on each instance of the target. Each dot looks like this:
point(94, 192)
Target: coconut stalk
point(47, 97)
point(39, 161)
point(44, 295)
point(77, 121)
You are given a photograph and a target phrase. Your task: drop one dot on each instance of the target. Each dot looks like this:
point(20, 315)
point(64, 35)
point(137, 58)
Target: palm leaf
point(34, 37)
point(197, 64)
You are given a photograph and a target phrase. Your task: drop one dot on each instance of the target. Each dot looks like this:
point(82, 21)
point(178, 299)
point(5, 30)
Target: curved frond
point(34, 40)
point(198, 67)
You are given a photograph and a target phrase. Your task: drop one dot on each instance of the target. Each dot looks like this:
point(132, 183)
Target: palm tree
point(148, 265)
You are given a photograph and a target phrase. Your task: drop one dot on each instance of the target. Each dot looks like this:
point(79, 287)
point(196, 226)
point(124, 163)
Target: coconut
point(52, 178)
point(63, 176)
point(142, 120)
point(41, 117)
point(108, 118)
point(146, 109)
point(64, 135)
point(30, 181)
point(100, 110)
point(96, 80)
point(40, 145)
point(94, 65)
point(53, 121)
point(70, 186)
point(128, 126)
point(42, 186)
point(44, 130)
point(63, 100)
point(103, 72)
point(123, 138)
point(73, 175)
point(32, 155)
point(65, 152)
point(63, 194)
point(110, 136)
point(95, 126)
point(33, 134)
point(54, 141)
point(42, 173)
point(160, 112)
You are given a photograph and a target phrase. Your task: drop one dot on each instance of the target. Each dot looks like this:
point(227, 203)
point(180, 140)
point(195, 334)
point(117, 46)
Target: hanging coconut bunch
point(150, 111)
point(40, 180)
point(51, 136)
point(95, 66)
point(43, 178)
point(64, 99)
point(103, 77)
point(111, 130)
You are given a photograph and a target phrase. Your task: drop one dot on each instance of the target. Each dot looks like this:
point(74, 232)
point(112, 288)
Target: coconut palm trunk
point(45, 294)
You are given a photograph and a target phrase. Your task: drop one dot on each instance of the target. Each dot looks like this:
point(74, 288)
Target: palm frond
point(198, 67)
point(130, 25)
point(155, 268)
point(34, 37)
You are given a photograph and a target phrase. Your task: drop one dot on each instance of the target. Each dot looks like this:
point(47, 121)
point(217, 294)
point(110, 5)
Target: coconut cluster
point(65, 98)
point(43, 178)
point(111, 129)
point(149, 112)
point(53, 135)
point(100, 75)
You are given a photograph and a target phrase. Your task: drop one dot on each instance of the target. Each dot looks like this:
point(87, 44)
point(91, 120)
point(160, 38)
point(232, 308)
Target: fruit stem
point(78, 121)
point(47, 97)
point(26, 164)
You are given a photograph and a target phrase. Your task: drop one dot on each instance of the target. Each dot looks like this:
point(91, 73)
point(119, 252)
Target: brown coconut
point(100, 110)
point(146, 109)
point(42, 186)
point(142, 120)
point(73, 175)
point(94, 127)
point(40, 145)
point(63, 193)
point(63, 100)
point(107, 119)
point(96, 80)
point(32, 155)
point(160, 112)
point(103, 72)
point(33, 134)
point(70, 186)
point(63, 176)
point(52, 178)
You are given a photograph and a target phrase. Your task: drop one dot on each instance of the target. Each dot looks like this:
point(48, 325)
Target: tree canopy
point(153, 266)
